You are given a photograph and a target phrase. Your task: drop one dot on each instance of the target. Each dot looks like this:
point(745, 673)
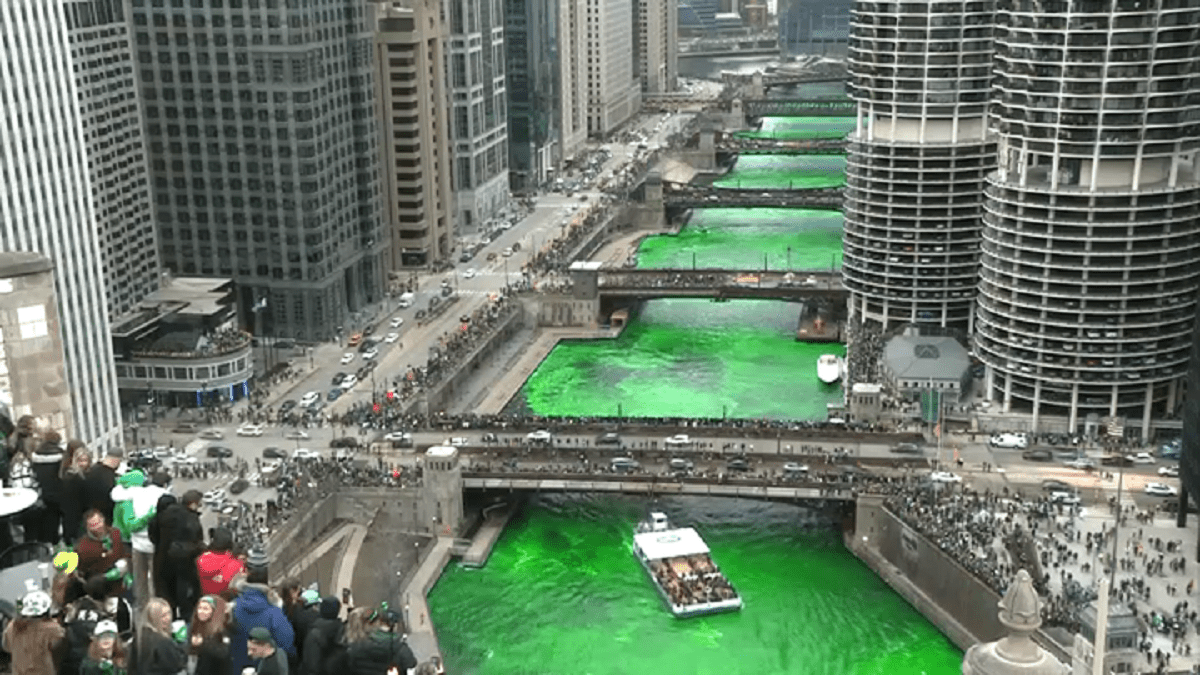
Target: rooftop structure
point(916, 161)
point(1090, 260)
point(914, 362)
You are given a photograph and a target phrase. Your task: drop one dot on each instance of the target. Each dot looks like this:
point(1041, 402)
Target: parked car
point(305, 453)
point(681, 464)
point(678, 441)
point(738, 464)
point(907, 448)
point(337, 379)
point(1063, 497)
point(624, 464)
point(347, 358)
point(349, 382)
point(609, 438)
point(253, 430)
point(795, 468)
point(310, 398)
point(185, 428)
point(539, 436)
point(391, 337)
point(218, 452)
point(396, 322)
point(333, 394)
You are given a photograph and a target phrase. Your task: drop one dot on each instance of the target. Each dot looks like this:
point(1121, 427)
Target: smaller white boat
point(829, 368)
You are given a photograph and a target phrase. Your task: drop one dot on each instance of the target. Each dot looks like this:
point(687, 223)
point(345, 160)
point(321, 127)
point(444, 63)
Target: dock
point(817, 331)
point(480, 550)
point(517, 372)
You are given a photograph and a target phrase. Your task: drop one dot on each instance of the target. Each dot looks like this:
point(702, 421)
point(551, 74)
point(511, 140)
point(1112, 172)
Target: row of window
point(181, 373)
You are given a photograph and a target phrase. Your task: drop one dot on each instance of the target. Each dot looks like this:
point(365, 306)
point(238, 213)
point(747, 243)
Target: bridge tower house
point(442, 496)
point(649, 214)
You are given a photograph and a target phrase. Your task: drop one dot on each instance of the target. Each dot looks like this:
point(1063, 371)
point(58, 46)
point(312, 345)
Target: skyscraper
point(264, 153)
point(613, 84)
point(534, 86)
point(47, 200)
point(410, 45)
point(917, 160)
point(479, 110)
point(1091, 243)
point(658, 44)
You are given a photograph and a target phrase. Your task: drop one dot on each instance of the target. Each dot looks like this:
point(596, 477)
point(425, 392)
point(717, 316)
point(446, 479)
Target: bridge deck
point(646, 485)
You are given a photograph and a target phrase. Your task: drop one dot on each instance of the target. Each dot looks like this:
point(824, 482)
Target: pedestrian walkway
point(422, 637)
point(487, 536)
point(503, 388)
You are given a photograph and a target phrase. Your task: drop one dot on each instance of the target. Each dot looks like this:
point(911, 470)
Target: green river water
point(563, 595)
point(690, 358)
point(738, 239)
point(785, 172)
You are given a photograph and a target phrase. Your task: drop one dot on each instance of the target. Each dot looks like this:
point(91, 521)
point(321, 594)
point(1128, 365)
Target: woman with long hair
point(106, 654)
point(34, 638)
point(208, 638)
point(377, 643)
point(73, 470)
point(159, 652)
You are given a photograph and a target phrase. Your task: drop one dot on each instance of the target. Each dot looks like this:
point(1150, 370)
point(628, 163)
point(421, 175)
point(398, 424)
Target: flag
point(930, 405)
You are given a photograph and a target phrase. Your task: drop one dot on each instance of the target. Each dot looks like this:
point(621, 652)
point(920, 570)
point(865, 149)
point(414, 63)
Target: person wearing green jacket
point(135, 504)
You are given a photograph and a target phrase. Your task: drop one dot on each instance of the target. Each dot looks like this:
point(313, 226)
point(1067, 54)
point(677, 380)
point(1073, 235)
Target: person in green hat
point(265, 657)
point(106, 654)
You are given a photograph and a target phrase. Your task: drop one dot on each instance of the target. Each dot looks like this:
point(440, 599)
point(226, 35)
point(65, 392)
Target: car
point(678, 441)
point(185, 428)
point(1081, 463)
point(396, 322)
point(1011, 441)
point(944, 477)
point(212, 435)
point(349, 382)
point(296, 435)
point(490, 437)
point(162, 452)
point(1117, 460)
point(391, 338)
point(181, 458)
point(273, 453)
point(254, 430)
point(907, 448)
point(337, 379)
point(677, 464)
point(395, 435)
point(1038, 455)
point(624, 464)
point(1160, 490)
point(218, 452)
point(347, 358)
point(286, 406)
point(1053, 485)
point(738, 464)
point(469, 274)
point(333, 394)
point(457, 441)
point(310, 398)
point(370, 354)
point(344, 442)
point(507, 252)
point(539, 436)
point(1142, 458)
point(214, 496)
point(795, 468)
point(305, 453)
point(1169, 471)
point(1064, 497)
point(609, 438)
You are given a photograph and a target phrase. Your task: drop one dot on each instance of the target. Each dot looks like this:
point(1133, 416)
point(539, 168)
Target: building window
point(32, 320)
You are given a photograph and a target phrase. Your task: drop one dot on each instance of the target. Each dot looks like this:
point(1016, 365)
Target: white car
point(310, 398)
point(348, 382)
point(250, 430)
point(469, 274)
point(347, 357)
point(1142, 458)
point(370, 354)
point(1012, 441)
point(183, 459)
point(678, 441)
point(212, 435)
point(305, 453)
point(539, 436)
point(507, 252)
point(297, 435)
point(391, 337)
point(1169, 471)
point(395, 435)
point(396, 322)
point(1160, 490)
point(457, 441)
point(944, 477)
point(1081, 463)
point(1068, 498)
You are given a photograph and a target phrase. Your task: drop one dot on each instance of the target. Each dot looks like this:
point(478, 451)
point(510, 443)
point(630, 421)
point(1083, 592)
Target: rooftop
point(915, 357)
point(670, 543)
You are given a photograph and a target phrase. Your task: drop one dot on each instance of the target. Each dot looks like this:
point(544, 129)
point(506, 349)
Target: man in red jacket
point(218, 565)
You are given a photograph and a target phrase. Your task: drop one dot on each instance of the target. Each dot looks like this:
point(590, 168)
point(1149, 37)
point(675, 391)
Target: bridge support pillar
point(650, 214)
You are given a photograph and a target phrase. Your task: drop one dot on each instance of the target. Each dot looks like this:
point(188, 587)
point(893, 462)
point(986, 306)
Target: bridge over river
point(728, 284)
point(685, 196)
point(656, 485)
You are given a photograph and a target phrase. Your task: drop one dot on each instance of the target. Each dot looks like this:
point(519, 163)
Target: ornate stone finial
point(1021, 608)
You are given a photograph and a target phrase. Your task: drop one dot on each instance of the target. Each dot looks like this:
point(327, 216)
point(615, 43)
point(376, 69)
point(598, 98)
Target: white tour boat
point(829, 368)
point(682, 570)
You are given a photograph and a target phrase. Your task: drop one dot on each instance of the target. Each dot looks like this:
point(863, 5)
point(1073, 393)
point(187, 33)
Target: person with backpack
point(254, 609)
point(324, 651)
point(183, 536)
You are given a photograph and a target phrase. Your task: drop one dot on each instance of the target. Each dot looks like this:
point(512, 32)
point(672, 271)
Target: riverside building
point(409, 46)
point(264, 153)
point(72, 186)
point(1091, 243)
point(658, 45)
point(917, 160)
point(478, 110)
point(614, 89)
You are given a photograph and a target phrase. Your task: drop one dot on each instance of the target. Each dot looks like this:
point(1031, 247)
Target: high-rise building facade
point(917, 160)
point(1090, 259)
point(478, 110)
point(410, 43)
point(573, 75)
point(614, 86)
point(264, 153)
point(48, 196)
point(534, 86)
point(814, 26)
point(658, 45)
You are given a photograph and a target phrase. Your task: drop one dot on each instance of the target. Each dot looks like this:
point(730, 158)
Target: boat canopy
point(670, 543)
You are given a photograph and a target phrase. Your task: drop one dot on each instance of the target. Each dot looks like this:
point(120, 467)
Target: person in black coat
point(324, 651)
point(158, 652)
point(183, 537)
point(99, 484)
point(301, 612)
point(154, 530)
point(381, 646)
point(208, 637)
point(73, 474)
point(46, 462)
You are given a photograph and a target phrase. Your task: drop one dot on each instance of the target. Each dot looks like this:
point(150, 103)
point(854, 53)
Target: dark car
point(370, 328)
point(1051, 485)
point(1116, 460)
point(218, 452)
point(337, 379)
point(286, 406)
point(344, 442)
point(1038, 455)
point(334, 393)
point(610, 438)
point(490, 437)
point(273, 453)
point(907, 448)
point(738, 464)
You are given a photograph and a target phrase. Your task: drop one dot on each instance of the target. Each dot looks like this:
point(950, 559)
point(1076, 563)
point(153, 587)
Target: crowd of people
point(691, 580)
point(139, 588)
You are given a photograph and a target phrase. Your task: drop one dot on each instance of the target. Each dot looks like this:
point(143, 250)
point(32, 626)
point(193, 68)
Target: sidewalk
point(422, 636)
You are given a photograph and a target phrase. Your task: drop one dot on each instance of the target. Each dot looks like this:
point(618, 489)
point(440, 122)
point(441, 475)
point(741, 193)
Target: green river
point(563, 595)
point(785, 172)
point(740, 239)
point(798, 128)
